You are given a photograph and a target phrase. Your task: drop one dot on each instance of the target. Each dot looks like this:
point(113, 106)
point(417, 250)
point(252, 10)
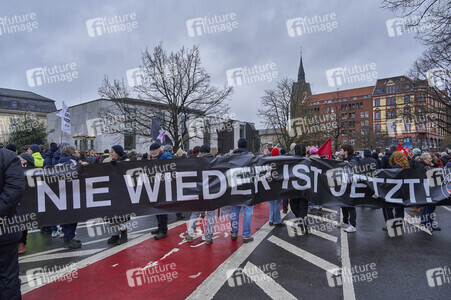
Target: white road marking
point(321, 218)
point(324, 235)
point(348, 285)
point(311, 258)
point(211, 285)
point(447, 208)
point(330, 210)
point(266, 283)
point(104, 254)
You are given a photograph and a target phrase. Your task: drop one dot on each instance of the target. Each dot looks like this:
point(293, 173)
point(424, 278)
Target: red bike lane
point(181, 267)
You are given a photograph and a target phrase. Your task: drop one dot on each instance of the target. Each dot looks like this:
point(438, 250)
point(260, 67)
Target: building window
point(390, 89)
point(14, 105)
point(242, 131)
point(352, 115)
point(421, 97)
point(344, 116)
point(13, 123)
point(378, 115)
point(406, 99)
point(362, 123)
point(332, 109)
point(367, 114)
point(407, 111)
point(362, 114)
point(367, 122)
point(407, 127)
point(390, 100)
point(378, 128)
point(377, 102)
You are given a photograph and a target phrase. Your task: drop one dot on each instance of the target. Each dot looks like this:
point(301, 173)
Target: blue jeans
point(274, 211)
point(246, 220)
point(208, 228)
point(69, 231)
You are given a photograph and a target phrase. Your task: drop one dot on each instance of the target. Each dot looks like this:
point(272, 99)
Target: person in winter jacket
point(397, 161)
point(415, 152)
point(313, 153)
point(117, 154)
point(424, 161)
point(57, 153)
point(204, 151)
point(248, 210)
point(444, 157)
point(69, 157)
point(385, 161)
point(12, 186)
point(48, 156)
point(274, 205)
point(35, 151)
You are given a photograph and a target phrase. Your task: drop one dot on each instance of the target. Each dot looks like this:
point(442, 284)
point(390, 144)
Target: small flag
point(159, 135)
point(64, 114)
point(325, 151)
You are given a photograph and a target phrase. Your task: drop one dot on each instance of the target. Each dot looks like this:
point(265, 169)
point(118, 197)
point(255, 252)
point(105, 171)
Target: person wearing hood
point(444, 157)
point(12, 187)
point(48, 156)
point(313, 151)
point(274, 205)
point(35, 151)
point(248, 210)
point(385, 161)
point(11, 147)
point(204, 151)
point(58, 152)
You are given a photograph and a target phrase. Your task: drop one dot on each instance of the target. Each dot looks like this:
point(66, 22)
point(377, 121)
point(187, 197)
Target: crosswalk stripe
point(348, 285)
point(266, 283)
point(317, 261)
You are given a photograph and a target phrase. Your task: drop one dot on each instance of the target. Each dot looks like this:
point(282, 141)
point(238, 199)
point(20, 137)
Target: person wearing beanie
point(195, 151)
point(119, 227)
point(11, 147)
point(416, 152)
point(204, 151)
point(248, 210)
point(57, 153)
point(313, 151)
point(35, 151)
point(48, 156)
point(283, 151)
point(274, 205)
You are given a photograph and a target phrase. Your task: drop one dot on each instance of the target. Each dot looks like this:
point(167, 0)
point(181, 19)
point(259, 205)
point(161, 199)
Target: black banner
point(68, 194)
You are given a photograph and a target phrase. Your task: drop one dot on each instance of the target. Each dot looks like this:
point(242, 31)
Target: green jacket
point(38, 160)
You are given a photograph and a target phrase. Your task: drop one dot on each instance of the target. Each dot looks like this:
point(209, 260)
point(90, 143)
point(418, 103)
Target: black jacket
point(370, 165)
point(385, 161)
point(12, 186)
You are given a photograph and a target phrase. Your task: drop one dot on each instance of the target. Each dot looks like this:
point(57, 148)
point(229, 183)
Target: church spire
point(301, 73)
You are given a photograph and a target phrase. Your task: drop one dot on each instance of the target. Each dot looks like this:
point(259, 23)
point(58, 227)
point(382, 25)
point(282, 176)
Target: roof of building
point(402, 84)
point(22, 95)
point(349, 94)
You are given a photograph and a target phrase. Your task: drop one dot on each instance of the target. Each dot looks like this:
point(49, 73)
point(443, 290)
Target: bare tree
point(431, 22)
point(173, 88)
point(278, 106)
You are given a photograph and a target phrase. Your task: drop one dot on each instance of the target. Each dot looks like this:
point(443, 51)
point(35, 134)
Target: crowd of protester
point(33, 156)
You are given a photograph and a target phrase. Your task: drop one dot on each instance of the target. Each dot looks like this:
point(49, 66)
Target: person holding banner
point(424, 161)
point(120, 237)
point(204, 151)
point(248, 210)
point(12, 187)
point(162, 230)
point(274, 205)
point(349, 213)
point(299, 206)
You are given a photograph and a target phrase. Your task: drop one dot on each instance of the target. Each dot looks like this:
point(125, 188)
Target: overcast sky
point(259, 36)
